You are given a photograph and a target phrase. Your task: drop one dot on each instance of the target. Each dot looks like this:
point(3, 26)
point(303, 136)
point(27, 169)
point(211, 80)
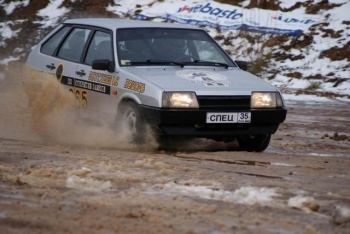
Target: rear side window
point(73, 46)
point(52, 43)
point(100, 48)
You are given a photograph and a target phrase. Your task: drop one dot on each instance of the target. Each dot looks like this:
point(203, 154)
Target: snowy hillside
point(317, 61)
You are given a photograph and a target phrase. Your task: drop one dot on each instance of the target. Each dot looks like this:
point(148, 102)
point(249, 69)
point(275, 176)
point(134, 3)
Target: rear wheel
point(131, 123)
point(257, 143)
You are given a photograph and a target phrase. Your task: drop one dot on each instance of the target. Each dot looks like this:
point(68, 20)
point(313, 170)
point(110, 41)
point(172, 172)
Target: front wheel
point(131, 123)
point(257, 143)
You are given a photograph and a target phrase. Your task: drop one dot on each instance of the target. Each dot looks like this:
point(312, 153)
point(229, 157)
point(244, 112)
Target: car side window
point(100, 48)
point(52, 43)
point(73, 46)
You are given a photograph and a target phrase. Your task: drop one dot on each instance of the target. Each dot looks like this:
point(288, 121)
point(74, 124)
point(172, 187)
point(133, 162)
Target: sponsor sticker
point(88, 85)
point(103, 78)
point(135, 86)
point(208, 78)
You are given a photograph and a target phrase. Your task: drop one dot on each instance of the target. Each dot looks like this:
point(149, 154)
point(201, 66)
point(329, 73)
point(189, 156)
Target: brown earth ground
point(51, 187)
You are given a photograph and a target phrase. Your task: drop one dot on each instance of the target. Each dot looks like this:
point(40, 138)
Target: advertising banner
point(228, 17)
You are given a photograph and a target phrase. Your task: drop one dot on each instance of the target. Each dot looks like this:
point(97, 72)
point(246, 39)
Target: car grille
point(224, 102)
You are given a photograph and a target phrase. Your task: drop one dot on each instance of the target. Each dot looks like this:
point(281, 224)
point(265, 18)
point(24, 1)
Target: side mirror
point(242, 64)
point(103, 65)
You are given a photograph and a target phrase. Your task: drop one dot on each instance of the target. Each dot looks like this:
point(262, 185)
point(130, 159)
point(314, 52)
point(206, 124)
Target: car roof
point(112, 23)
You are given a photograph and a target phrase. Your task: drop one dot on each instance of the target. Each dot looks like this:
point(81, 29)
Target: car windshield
point(163, 46)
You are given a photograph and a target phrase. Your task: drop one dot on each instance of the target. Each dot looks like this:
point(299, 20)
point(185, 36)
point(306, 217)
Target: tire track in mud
point(236, 162)
point(244, 163)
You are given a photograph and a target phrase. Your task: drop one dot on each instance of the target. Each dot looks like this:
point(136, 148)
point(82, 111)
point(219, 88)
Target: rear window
point(52, 43)
point(73, 46)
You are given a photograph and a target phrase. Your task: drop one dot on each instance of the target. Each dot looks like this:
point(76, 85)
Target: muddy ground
point(300, 184)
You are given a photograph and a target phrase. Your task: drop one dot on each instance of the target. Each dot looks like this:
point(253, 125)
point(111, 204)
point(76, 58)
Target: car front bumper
point(192, 122)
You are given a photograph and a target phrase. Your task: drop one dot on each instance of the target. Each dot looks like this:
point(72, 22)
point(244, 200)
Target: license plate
point(229, 117)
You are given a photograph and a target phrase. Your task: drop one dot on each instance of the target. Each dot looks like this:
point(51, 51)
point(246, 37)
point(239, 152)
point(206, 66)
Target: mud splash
point(40, 108)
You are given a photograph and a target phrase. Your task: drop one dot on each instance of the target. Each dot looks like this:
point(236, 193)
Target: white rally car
point(174, 78)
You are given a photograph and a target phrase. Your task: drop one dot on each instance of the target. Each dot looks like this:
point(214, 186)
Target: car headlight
point(180, 100)
point(266, 100)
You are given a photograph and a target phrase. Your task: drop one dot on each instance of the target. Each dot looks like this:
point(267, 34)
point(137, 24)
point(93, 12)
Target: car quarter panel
point(134, 87)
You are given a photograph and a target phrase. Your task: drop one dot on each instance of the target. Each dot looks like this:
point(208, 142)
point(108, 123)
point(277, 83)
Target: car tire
point(254, 143)
point(131, 123)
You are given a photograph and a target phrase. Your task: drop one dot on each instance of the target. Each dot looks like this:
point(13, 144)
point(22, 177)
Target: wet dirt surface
point(300, 184)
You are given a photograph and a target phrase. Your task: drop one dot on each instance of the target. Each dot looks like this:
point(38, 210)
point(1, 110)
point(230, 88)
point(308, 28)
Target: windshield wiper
point(211, 63)
point(156, 61)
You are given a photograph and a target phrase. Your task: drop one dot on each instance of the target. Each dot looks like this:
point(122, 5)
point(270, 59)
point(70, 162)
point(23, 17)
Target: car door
point(42, 58)
point(102, 94)
point(70, 55)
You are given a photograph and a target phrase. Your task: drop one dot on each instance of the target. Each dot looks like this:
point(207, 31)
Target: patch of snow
point(9, 59)
point(304, 203)
point(87, 184)
point(323, 155)
point(287, 3)
point(344, 211)
point(52, 13)
point(13, 5)
point(312, 64)
point(282, 164)
point(18, 50)
point(245, 195)
point(342, 88)
point(245, 3)
point(253, 195)
point(127, 6)
point(347, 100)
point(305, 98)
point(7, 32)
point(83, 171)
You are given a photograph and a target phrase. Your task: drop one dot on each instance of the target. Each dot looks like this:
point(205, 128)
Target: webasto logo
point(209, 9)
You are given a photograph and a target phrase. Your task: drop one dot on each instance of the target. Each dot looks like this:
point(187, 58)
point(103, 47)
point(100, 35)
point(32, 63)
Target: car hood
point(203, 81)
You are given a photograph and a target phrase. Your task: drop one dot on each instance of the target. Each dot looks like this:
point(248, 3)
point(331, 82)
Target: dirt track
point(56, 188)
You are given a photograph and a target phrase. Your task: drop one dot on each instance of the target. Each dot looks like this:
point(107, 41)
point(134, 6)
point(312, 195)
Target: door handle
point(51, 66)
point(80, 73)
